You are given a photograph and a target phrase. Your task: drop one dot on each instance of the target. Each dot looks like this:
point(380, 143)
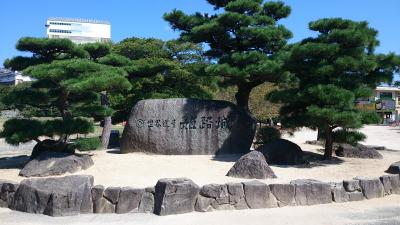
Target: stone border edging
point(182, 195)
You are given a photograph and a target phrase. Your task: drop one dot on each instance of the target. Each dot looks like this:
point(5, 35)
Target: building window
point(385, 95)
point(60, 31)
point(58, 23)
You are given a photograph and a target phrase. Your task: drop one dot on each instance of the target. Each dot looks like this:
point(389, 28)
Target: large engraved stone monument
point(187, 127)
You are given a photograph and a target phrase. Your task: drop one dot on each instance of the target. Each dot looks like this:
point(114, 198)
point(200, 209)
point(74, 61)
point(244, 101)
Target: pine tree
point(67, 79)
point(244, 38)
point(159, 69)
point(334, 69)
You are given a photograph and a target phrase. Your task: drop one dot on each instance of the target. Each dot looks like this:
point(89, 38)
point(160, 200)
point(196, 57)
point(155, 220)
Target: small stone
point(203, 204)
point(128, 200)
point(284, 193)
point(175, 196)
point(339, 194)
point(251, 166)
point(394, 168)
point(112, 194)
point(351, 185)
point(217, 192)
point(258, 195)
point(356, 196)
point(236, 195)
point(147, 203)
point(371, 188)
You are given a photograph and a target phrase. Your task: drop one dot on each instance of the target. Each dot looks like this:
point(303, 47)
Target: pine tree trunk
point(107, 123)
point(320, 135)
point(242, 97)
point(328, 142)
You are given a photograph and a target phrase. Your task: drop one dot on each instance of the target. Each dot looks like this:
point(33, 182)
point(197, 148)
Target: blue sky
point(143, 18)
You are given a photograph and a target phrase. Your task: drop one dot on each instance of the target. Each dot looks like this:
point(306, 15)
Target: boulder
point(358, 151)
point(236, 195)
point(339, 194)
point(351, 185)
point(258, 195)
point(284, 193)
point(100, 204)
point(203, 204)
point(312, 192)
point(371, 187)
point(129, 199)
point(55, 163)
point(187, 127)
point(282, 152)
point(175, 196)
point(251, 166)
point(356, 196)
point(394, 168)
point(62, 196)
point(219, 192)
point(112, 194)
point(7, 192)
point(146, 204)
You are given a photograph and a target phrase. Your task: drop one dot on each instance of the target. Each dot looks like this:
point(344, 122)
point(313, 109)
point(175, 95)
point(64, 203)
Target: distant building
point(79, 30)
point(9, 77)
point(386, 102)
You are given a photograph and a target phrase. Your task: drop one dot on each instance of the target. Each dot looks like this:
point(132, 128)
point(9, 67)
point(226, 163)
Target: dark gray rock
point(175, 196)
point(282, 152)
point(64, 196)
point(371, 187)
point(312, 192)
point(258, 195)
point(112, 194)
point(204, 204)
point(284, 193)
point(55, 163)
point(251, 166)
point(129, 199)
point(7, 192)
point(358, 151)
point(236, 196)
point(147, 203)
point(187, 127)
point(339, 194)
point(356, 196)
point(351, 185)
point(100, 204)
point(394, 168)
point(219, 192)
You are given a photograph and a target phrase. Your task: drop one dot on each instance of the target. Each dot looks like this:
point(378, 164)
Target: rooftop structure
point(9, 77)
point(79, 30)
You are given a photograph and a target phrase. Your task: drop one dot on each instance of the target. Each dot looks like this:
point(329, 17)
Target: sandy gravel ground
point(382, 211)
point(141, 170)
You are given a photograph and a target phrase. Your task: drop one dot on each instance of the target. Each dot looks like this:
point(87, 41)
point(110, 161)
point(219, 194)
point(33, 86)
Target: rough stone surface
point(7, 192)
point(187, 127)
point(112, 194)
point(147, 203)
point(64, 196)
point(339, 194)
point(311, 192)
point(55, 163)
point(284, 193)
point(258, 195)
point(219, 192)
point(175, 196)
point(394, 168)
point(203, 204)
point(129, 199)
point(356, 196)
point(251, 166)
point(282, 152)
point(100, 204)
point(395, 183)
point(236, 195)
point(387, 186)
point(371, 187)
point(359, 151)
point(351, 185)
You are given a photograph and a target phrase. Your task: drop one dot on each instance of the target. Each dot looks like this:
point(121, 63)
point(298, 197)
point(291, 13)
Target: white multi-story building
point(79, 30)
point(8, 77)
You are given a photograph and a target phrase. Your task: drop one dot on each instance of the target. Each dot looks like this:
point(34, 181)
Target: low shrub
point(87, 144)
point(267, 134)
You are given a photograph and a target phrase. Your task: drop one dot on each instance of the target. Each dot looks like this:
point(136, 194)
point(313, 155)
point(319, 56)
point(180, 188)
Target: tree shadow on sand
point(227, 157)
point(312, 159)
point(14, 162)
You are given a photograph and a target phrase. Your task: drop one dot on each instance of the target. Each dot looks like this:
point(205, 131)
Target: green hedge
point(87, 144)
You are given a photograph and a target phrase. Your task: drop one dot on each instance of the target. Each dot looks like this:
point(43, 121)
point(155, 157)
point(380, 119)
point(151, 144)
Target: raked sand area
point(142, 170)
